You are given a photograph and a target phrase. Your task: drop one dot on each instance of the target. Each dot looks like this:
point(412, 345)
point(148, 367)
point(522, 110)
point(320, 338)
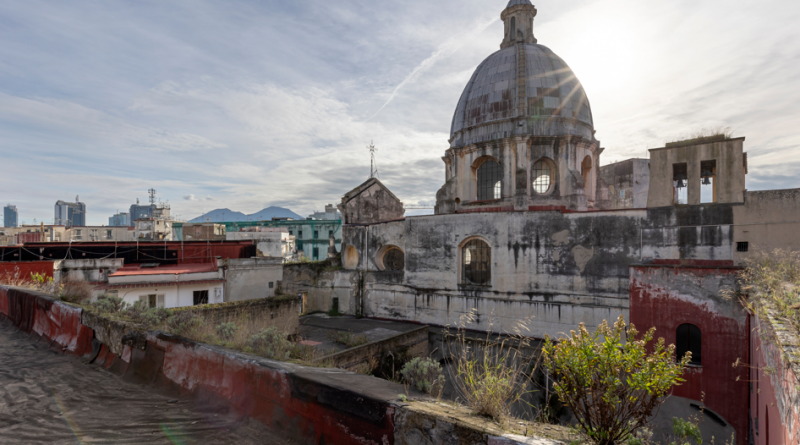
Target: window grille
point(394, 259)
point(542, 176)
point(476, 263)
point(490, 181)
point(742, 246)
point(271, 284)
point(688, 338)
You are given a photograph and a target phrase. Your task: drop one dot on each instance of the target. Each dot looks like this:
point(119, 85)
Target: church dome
point(522, 89)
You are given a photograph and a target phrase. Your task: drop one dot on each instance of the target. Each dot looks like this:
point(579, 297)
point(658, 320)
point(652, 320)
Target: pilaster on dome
point(518, 19)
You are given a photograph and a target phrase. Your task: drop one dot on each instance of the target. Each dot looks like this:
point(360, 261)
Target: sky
point(247, 104)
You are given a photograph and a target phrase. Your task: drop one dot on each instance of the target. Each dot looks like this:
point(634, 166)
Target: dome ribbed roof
point(517, 2)
point(545, 93)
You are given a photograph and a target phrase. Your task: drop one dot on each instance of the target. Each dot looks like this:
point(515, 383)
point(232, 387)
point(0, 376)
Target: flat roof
point(173, 269)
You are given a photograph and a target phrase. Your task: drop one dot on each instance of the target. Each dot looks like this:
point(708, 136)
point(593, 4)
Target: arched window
point(542, 176)
point(394, 259)
point(490, 181)
point(586, 171)
point(513, 28)
point(688, 338)
point(476, 262)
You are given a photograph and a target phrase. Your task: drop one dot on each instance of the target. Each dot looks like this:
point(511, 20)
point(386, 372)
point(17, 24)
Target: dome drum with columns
point(522, 135)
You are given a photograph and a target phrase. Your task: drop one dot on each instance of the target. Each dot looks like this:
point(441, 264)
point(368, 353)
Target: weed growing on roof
point(771, 281)
point(74, 291)
point(108, 304)
point(226, 331)
point(271, 343)
point(491, 373)
point(425, 374)
point(348, 339)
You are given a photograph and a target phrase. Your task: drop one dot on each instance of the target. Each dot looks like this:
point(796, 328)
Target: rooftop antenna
point(373, 166)
point(152, 193)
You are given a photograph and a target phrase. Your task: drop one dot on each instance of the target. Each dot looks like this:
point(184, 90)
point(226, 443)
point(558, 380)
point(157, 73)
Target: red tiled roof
point(155, 284)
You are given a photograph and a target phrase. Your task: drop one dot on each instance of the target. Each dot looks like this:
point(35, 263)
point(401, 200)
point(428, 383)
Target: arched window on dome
point(586, 172)
point(513, 28)
point(490, 181)
point(543, 171)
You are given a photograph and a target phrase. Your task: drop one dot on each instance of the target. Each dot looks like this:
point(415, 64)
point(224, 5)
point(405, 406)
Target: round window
point(394, 259)
point(542, 176)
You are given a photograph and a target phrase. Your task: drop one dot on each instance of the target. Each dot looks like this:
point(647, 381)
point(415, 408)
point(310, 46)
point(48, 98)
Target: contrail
point(445, 49)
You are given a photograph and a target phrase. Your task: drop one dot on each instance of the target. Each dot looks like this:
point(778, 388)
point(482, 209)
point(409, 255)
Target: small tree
point(612, 387)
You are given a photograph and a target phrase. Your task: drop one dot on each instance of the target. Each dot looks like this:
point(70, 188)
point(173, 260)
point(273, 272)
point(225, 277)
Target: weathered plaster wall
point(321, 286)
point(768, 220)
point(729, 176)
point(665, 297)
point(559, 269)
point(92, 270)
point(775, 373)
point(371, 202)
point(251, 278)
point(627, 183)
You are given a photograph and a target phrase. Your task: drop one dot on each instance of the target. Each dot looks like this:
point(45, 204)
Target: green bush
point(425, 374)
point(612, 385)
point(226, 331)
point(271, 343)
point(141, 312)
point(183, 322)
point(108, 304)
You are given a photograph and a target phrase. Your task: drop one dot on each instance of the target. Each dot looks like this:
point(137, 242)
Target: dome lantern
point(518, 19)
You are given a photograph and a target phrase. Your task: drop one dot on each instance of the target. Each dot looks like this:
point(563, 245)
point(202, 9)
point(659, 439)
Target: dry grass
point(240, 328)
point(491, 373)
point(771, 280)
point(73, 291)
point(348, 339)
point(705, 132)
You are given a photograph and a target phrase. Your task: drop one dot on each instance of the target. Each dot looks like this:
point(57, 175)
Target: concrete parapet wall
point(309, 405)
point(414, 343)
point(281, 312)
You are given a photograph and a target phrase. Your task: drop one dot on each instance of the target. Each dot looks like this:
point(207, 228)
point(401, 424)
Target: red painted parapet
point(312, 405)
point(40, 314)
point(775, 399)
point(666, 297)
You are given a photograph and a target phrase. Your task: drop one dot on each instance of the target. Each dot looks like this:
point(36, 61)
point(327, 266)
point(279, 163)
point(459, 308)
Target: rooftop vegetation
point(701, 136)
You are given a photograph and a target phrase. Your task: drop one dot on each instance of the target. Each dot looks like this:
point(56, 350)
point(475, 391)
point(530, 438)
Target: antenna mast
point(152, 193)
point(373, 166)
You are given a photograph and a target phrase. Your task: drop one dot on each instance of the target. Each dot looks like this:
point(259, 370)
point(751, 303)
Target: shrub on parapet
point(609, 380)
point(75, 291)
point(226, 331)
point(271, 343)
point(425, 374)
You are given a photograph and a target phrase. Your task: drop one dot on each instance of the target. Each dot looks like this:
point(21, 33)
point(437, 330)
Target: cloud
point(242, 104)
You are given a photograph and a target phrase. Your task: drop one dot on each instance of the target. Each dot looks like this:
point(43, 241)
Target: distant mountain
point(223, 215)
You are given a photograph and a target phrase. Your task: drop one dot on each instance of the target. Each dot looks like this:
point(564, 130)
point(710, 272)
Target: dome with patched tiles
point(522, 89)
